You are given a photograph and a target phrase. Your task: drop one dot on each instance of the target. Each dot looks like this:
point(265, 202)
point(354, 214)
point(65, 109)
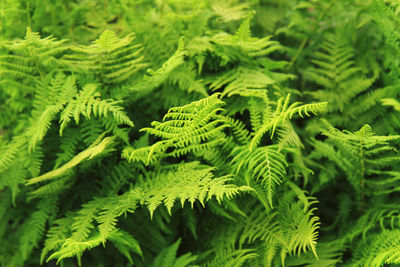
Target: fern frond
point(242, 40)
point(227, 12)
point(261, 225)
point(52, 188)
point(13, 177)
point(219, 169)
point(190, 182)
point(32, 231)
point(168, 257)
point(27, 61)
point(126, 244)
point(142, 154)
point(95, 149)
point(264, 163)
point(189, 128)
point(68, 147)
point(113, 58)
point(242, 81)
point(379, 249)
point(83, 220)
point(49, 101)
point(82, 237)
point(391, 102)
point(42, 49)
point(232, 257)
point(184, 76)
point(260, 110)
point(268, 229)
point(42, 125)
point(329, 255)
point(71, 247)
point(287, 136)
point(362, 155)
point(305, 235)
point(88, 102)
point(283, 112)
point(343, 84)
point(9, 151)
point(157, 77)
point(238, 129)
point(112, 208)
point(55, 236)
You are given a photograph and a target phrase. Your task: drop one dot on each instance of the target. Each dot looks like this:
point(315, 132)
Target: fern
point(60, 90)
point(356, 152)
point(190, 128)
point(328, 255)
point(267, 231)
point(265, 164)
point(189, 182)
point(167, 257)
point(227, 13)
point(88, 103)
point(192, 182)
point(31, 57)
point(225, 163)
point(342, 84)
point(383, 249)
point(243, 41)
point(23, 63)
point(112, 58)
point(241, 81)
point(232, 257)
point(89, 153)
point(385, 16)
point(157, 77)
point(32, 231)
point(71, 247)
point(282, 112)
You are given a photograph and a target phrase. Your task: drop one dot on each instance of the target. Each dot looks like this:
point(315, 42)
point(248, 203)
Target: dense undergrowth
point(199, 133)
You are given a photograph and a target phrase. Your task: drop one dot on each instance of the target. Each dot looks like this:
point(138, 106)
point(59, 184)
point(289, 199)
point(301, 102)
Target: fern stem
point(362, 182)
point(28, 16)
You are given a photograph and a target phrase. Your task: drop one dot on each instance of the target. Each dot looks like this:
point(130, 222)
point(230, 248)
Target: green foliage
point(113, 59)
point(359, 155)
point(167, 257)
point(199, 133)
point(265, 163)
point(343, 84)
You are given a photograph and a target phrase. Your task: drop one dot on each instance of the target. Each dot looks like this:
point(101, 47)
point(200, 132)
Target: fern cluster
point(199, 133)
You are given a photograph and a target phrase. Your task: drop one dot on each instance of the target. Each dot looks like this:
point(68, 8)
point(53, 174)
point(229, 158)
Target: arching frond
point(156, 77)
point(95, 149)
point(190, 182)
point(382, 249)
point(283, 112)
point(190, 128)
